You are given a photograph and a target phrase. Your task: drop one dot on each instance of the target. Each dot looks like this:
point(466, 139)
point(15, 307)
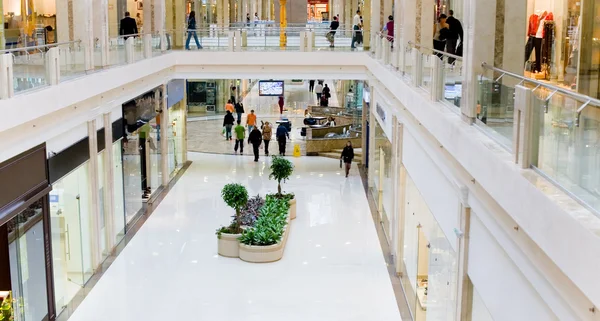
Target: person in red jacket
point(280, 103)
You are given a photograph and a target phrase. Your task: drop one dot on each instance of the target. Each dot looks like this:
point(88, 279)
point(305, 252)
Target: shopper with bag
point(335, 24)
point(240, 134)
point(228, 124)
point(347, 156)
point(266, 136)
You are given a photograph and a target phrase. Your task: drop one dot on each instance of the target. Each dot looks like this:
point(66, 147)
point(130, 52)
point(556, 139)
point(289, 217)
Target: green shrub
point(269, 227)
point(236, 197)
point(281, 170)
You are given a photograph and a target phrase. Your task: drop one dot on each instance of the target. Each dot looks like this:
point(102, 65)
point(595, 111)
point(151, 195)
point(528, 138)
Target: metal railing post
point(230, 40)
point(437, 78)
point(238, 40)
point(310, 40)
point(417, 67)
point(129, 50)
point(52, 61)
point(6, 76)
point(147, 46)
point(523, 141)
point(302, 40)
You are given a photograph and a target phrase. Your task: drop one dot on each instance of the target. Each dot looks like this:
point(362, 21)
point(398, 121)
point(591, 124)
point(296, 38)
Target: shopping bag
point(223, 132)
point(340, 163)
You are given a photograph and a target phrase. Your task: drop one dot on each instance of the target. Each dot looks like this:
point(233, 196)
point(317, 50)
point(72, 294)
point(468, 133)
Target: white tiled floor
point(332, 269)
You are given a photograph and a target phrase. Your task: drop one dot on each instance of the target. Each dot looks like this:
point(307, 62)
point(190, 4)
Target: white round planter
point(265, 254)
point(228, 245)
point(292, 203)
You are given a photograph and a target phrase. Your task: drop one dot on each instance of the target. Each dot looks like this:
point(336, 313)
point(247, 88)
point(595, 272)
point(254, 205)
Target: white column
point(52, 64)
point(147, 16)
point(100, 30)
point(515, 25)
point(408, 17)
point(164, 129)
point(83, 30)
point(375, 16)
point(479, 45)
point(93, 195)
point(62, 21)
point(159, 15)
point(109, 183)
point(6, 77)
point(427, 21)
point(464, 287)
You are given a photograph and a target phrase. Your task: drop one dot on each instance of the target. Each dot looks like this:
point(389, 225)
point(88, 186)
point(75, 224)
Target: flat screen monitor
point(270, 88)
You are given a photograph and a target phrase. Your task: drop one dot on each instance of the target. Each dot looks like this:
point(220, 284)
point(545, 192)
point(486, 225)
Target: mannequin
point(535, 33)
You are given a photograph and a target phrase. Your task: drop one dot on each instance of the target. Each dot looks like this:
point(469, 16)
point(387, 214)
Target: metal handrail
point(39, 46)
point(410, 43)
point(586, 100)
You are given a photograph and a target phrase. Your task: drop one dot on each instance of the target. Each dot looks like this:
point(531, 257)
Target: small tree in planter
point(236, 197)
point(281, 170)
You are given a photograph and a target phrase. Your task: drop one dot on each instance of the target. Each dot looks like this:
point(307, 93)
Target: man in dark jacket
point(239, 110)
point(455, 32)
point(347, 157)
point(128, 26)
point(335, 24)
point(282, 135)
point(228, 124)
point(255, 139)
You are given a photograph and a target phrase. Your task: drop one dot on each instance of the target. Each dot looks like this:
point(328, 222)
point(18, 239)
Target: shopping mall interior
point(410, 160)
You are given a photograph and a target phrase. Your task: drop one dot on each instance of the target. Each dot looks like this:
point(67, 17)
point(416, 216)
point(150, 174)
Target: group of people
point(446, 34)
point(255, 137)
point(322, 90)
point(357, 36)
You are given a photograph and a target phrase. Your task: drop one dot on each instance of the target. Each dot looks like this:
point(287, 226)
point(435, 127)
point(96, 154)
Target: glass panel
point(71, 240)
point(29, 70)
point(119, 201)
point(411, 245)
point(71, 60)
point(102, 208)
point(132, 175)
point(27, 263)
point(497, 109)
point(426, 72)
point(453, 83)
point(568, 153)
point(116, 51)
point(138, 48)
point(408, 62)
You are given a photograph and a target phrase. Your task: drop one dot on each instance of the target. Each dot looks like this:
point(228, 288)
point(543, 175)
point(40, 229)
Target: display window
point(132, 176)
point(27, 263)
point(175, 132)
point(429, 275)
point(380, 167)
point(28, 22)
point(118, 193)
point(318, 10)
point(70, 206)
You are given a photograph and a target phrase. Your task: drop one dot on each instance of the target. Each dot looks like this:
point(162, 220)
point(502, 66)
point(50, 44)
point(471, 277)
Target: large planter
point(228, 245)
point(292, 203)
point(265, 254)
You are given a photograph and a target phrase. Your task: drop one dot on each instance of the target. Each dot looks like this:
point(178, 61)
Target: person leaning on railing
point(388, 29)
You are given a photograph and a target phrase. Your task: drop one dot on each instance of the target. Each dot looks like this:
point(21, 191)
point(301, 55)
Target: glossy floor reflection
point(332, 269)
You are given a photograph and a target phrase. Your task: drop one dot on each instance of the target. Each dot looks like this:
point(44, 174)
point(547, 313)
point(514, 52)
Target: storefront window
point(429, 277)
point(381, 165)
point(102, 209)
point(28, 23)
point(175, 132)
point(71, 240)
point(27, 264)
point(119, 209)
point(132, 176)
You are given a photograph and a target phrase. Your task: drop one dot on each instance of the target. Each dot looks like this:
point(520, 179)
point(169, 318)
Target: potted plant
point(281, 170)
point(236, 197)
point(265, 241)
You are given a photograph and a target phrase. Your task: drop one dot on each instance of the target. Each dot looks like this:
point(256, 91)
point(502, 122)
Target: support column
point(161, 104)
point(93, 195)
point(232, 11)
point(180, 22)
point(408, 17)
point(397, 220)
point(184, 106)
point(427, 21)
point(100, 52)
point(512, 40)
point(82, 30)
point(62, 20)
point(158, 16)
point(109, 183)
point(367, 17)
point(478, 47)
point(2, 39)
point(375, 18)
point(282, 23)
point(464, 295)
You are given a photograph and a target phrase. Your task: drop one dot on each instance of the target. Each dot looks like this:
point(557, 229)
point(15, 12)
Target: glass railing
point(495, 107)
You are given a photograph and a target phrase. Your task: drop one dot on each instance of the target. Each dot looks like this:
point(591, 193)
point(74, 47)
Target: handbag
point(340, 163)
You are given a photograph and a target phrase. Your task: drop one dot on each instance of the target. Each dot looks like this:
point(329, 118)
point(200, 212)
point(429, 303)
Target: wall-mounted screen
point(270, 88)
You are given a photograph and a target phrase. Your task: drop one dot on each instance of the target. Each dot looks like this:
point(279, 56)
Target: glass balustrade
point(28, 69)
point(495, 108)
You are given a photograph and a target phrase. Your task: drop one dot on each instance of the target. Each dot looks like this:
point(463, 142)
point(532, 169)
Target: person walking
point(228, 124)
point(327, 92)
point(229, 107)
point(319, 91)
point(440, 33)
point(128, 26)
point(280, 102)
point(455, 33)
point(266, 136)
point(240, 134)
point(282, 135)
point(239, 109)
point(255, 138)
point(311, 85)
point(355, 29)
point(191, 30)
point(335, 24)
point(347, 157)
point(251, 120)
point(388, 29)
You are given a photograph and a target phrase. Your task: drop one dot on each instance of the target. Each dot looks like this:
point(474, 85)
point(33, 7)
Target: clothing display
point(541, 28)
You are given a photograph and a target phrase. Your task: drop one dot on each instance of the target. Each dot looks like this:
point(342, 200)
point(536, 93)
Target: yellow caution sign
point(297, 150)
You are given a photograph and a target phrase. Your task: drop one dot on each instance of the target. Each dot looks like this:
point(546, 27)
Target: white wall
point(440, 196)
point(507, 294)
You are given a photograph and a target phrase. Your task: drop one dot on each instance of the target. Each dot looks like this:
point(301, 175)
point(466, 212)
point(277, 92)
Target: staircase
point(336, 153)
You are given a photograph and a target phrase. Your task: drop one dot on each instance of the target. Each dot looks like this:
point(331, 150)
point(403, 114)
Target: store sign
point(381, 112)
point(175, 91)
